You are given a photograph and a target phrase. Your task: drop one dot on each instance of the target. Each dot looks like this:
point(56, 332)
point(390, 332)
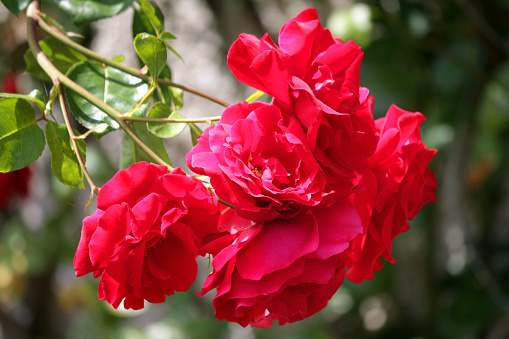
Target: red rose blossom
point(257, 163)
point(284, 269)
point(397, 185)
point(315, 78)
point(13, 184)
point(144, 237)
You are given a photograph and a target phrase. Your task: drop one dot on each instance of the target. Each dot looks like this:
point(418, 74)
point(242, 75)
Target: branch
point(32, 20)
point(60, 36)
point(94, 188)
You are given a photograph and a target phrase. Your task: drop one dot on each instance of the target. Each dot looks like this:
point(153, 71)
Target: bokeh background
point(448, 59)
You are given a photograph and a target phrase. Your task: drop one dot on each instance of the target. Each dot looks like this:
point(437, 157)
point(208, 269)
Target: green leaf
point(152, 52)
point(177, 96)
point(195, 133)
point(172, 49)
point(132, 153)
point(35, 96)
point(167, 36)
point(16, 6)
point(59, 54)
point(21, 140)
point(118, 58)
point(164, 130)
point(147, 19)
point(85, 11)
point(64, 163)
point(116, 88)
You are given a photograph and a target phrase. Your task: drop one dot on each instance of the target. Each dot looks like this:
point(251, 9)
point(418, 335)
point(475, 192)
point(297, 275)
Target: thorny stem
point(56, 75)
point(75, 148)
point(60, 36)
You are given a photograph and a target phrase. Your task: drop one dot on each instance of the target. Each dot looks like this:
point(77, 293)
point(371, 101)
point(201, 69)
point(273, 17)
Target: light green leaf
point(116, 88)
point(195, 133)
point(167, 36)
point(132, 153)
point(85, 11)
point(35, 96)
point(118, 58)
point(59, 54)
point(147, 19)
point(21, 140)
point(171, 49)
point(64, 163)
point(152, 52)
point(164, 130)
point(16, 6)
point(177, 96)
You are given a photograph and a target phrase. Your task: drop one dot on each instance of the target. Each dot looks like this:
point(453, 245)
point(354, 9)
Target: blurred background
point(448, 59)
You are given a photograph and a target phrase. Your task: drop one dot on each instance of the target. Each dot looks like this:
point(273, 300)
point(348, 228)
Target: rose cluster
point(305, 190)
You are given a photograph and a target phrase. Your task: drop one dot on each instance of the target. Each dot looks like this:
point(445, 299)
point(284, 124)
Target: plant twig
point(72, 138)
point(56, 75)
point(57, 34)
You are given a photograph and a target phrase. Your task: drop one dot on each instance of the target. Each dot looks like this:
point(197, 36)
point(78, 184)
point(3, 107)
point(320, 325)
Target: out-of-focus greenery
point(448, 59)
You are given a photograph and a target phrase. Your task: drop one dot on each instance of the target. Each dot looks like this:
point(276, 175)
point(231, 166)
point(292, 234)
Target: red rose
point(13, 184)
point(258, 163)
point(314, 77)
point(398, 184)
point(284, 269)
point(144, 237)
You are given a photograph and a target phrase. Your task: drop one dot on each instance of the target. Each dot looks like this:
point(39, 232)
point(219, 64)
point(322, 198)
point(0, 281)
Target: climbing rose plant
point(288, 198)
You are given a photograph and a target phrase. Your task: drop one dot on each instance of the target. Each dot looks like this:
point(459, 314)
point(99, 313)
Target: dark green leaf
point(35, 96)
point(165, 130)
point(147, 19)
point(59, 54)
point(16, 6)
point(195, 133)
point(85, 11)
point(64, 163)
point(116, 88)
point(152, 52)
point(132, 153)
point(21, 140)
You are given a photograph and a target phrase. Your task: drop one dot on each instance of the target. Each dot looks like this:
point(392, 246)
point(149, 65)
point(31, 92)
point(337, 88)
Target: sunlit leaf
point(64, 163)
point(59, 54)
point(35, 96)
point(165, 130)
point(21, 140)
point(116, 88)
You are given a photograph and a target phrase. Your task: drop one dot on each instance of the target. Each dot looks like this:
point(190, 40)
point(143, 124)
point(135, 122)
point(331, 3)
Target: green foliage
point(86, 11)
point(16, 6)
point(59, 54)
point(148, 18)
point(152, 52)
point(165, 130)
point(195, 133)
point(64, 163)
point(116, 88)
point(35, 96)
point(21, 140)
point(131, 153)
